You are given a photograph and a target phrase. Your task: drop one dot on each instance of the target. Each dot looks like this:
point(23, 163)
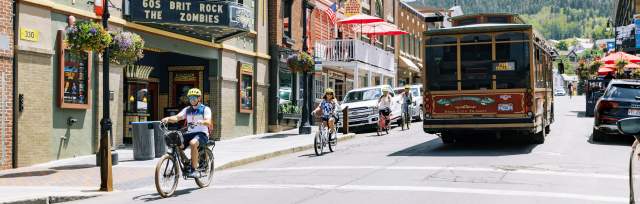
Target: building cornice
point(122, 22)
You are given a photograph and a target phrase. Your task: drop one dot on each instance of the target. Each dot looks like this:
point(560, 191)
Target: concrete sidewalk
point(79, 177)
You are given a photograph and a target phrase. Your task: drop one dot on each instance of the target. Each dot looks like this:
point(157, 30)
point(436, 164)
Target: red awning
point(382, 28)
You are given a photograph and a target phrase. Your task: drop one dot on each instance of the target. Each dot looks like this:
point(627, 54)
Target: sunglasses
point(193, 98)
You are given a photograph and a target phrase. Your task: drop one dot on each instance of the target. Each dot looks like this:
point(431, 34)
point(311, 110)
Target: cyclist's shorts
point(385, 112)
point(326, 118)
point(201, 136)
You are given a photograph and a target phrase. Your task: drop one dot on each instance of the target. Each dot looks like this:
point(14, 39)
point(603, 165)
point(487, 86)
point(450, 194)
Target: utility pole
point(106, 176)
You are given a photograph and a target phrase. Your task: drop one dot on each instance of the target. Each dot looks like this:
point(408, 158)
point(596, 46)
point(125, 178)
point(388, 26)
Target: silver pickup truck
point(363, 107)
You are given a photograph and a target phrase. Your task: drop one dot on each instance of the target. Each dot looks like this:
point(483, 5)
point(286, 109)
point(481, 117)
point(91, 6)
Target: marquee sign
point(208, 18)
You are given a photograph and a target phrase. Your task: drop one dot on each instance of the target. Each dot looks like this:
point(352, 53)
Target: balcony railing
point(354, 50)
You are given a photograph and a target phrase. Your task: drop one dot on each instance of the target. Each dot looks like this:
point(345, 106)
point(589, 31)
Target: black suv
point(621, 100)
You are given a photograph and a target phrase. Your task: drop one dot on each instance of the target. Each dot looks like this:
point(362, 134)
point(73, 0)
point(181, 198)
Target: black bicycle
point(175, 161)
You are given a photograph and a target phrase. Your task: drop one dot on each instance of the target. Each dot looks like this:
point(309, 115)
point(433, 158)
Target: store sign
point(212, 16)
point(637, 25)
point(352, 7)
point(504, 66)
point(29, 35)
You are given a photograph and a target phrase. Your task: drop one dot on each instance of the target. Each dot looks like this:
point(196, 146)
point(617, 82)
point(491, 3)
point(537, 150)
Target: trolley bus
point(488, 73)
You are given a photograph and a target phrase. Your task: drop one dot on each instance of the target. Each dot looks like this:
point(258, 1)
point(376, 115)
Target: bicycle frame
point(382, 122)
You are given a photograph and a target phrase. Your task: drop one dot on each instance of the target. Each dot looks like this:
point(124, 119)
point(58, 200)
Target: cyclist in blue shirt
point(200, 115)
point(328, 106)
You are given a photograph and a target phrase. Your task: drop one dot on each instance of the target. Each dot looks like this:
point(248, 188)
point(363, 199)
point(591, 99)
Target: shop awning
point(207, 20)
point(404, 62)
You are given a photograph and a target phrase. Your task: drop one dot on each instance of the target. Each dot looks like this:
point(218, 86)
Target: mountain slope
point(555, 19)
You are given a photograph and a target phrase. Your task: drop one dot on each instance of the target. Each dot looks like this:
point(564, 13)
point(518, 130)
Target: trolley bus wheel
point(447, 138)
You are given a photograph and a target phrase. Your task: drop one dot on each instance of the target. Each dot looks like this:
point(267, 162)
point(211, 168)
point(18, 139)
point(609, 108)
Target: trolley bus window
point(518, 53)
point(476, 66)
point(442, 70)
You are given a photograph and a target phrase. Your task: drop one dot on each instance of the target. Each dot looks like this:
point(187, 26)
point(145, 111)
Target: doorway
point(154, 112)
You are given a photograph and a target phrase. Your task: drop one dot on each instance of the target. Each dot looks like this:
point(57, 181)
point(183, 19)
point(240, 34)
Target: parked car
point(363, 107)
point(415, 110)
point(560, 92)
point(620, 100)
point(631, 126)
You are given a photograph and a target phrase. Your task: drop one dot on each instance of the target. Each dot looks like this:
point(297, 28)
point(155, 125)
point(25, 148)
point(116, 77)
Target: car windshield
point(364, 95)
point(623, 91)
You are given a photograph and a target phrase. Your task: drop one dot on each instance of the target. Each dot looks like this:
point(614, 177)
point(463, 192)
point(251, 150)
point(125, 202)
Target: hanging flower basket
point(127, 48)
point(87, 36)
point(301, 62)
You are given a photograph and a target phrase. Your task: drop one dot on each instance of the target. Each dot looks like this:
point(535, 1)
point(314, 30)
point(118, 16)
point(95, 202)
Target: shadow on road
point(617, 140)
point(436, 148)
point(278, 136)
point(155, 196)
point(74, 167)
point(29, 174)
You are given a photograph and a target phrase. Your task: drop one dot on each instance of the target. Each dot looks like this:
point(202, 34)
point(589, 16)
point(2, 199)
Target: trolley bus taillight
point(528, 100)
point(426, 103)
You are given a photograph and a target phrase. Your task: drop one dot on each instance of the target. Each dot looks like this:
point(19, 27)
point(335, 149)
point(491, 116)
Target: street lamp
point(305, 127)
point(106, 177)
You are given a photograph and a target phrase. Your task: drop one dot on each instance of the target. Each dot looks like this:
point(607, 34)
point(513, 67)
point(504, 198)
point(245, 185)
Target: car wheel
point(597, 136)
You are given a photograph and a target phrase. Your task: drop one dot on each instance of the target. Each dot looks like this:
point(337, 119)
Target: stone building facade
point(205, 58)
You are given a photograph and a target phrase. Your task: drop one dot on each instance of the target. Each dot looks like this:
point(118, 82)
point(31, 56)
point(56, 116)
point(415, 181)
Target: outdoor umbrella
point(360, 19)
point(382, 28)
point(613, 57)
point(603, 70)
point(632, 66)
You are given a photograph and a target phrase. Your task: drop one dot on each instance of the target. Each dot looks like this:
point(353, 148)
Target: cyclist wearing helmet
point(384, 103)
point(328, 106)
point(407, 99)
point(197, 114)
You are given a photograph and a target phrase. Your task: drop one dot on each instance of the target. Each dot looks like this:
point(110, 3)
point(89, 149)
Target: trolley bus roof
point(479, 28)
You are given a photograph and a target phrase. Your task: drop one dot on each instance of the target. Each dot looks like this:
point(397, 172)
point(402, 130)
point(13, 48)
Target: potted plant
point(301, 62)
point(127, 48)
point(594, 66)
point(620, 64)
point(87, 36)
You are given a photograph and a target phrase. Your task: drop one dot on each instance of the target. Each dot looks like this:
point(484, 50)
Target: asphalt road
point(414, 167)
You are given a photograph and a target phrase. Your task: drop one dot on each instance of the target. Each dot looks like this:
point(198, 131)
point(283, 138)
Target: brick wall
point(6, 64)
point(276, 23)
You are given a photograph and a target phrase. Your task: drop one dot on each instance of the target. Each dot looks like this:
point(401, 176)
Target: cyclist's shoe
point(191, 173)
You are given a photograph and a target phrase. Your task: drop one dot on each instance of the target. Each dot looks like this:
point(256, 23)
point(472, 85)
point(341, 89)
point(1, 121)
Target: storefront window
point(75, 73)
point(246, 88)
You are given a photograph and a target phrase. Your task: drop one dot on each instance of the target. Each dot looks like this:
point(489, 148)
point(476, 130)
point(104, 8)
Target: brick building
point(6, 83)
point(285, 39)
point(410, 53)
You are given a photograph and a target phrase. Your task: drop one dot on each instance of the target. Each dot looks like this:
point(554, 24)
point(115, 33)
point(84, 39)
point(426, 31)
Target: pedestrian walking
point(570, 87)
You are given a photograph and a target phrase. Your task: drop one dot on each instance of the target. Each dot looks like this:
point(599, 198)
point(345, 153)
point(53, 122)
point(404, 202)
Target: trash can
point(143, 144)
point(158, 135)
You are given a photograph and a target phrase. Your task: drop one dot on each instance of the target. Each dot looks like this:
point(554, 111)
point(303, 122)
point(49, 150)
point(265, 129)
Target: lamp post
point(305, 127)
point(106, 177)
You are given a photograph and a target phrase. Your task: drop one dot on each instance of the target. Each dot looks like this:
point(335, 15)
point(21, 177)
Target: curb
point(270, 155)
point(236, 163)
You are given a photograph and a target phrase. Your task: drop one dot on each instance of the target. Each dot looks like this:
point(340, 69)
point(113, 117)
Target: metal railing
point(348, 50)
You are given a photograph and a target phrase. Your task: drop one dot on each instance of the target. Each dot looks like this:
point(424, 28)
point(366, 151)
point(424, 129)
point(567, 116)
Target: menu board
point(75, 77)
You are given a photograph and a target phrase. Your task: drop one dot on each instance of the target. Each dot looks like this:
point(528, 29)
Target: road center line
point(437, 168)
point(496, 192)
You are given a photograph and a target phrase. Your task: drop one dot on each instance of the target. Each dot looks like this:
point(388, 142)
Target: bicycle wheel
point(378, 129)
point(317, 144)
point(207, 170)
point(403, 120)
point(408, 121)
point(167, 175)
